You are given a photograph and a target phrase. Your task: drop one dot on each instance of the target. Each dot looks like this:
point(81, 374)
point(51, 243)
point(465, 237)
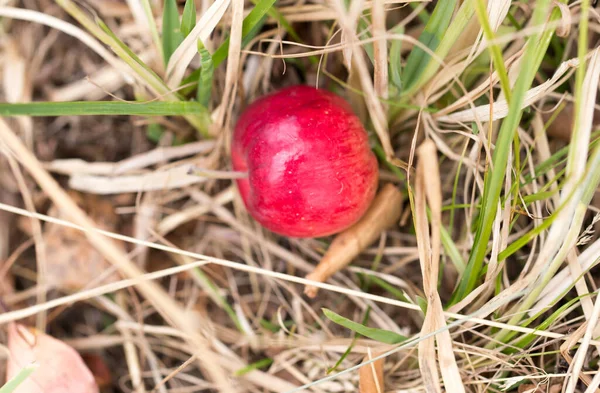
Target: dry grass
point(207, 300)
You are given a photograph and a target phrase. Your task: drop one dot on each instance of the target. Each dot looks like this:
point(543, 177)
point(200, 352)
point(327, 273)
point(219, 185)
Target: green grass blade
point(103, 33)
point(451, 250)
point(343, 357)
point(152, 24)
point(254, 366)
point(496, 53)
point(431, 38)
point(87, 108)
point(381, 335)
point(528, 338)
point(448, 39)
point(278, 16)
point(132, 57)
point(171, 33)
point(395, 67)
point(250, 22)
point(582, 50)
point(214, 292)
point(220, 55)
point(11, 385)
point(528, 237)
point(188, 19)
point(494, 179)
point(423, 14)
point(349, 349)
point(399, 294)
point(206, 76)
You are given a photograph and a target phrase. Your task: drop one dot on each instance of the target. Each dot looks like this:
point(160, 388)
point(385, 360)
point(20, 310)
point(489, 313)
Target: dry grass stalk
point(380, 49)
point(563, 233)
point(428, 189)
point(137, 162)
point(499, 109)
point(581, 354)
point(272, 264)
point(172, 221)
point(39, 240)
point(203, 259)
point(131, 354)
point(384, 212)
point(97, 85)
point(566, 346)
point(175, 177)
point(371, 376)
point(164, 304)
point(564, 279)
point(70, 29)
point(374, 105)
point(233, 63)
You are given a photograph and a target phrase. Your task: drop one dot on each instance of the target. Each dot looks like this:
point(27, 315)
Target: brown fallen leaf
point(371, 376)
point(60, 368)
point(72, 262)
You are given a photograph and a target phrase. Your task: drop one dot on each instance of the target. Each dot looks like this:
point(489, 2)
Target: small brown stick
point(371, 376)
point(384, 212)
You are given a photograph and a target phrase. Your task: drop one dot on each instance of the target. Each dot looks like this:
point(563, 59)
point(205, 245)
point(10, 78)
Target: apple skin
point(311, 172)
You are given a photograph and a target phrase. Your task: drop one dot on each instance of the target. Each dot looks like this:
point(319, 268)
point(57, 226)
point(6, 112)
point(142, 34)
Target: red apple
point(310, 170)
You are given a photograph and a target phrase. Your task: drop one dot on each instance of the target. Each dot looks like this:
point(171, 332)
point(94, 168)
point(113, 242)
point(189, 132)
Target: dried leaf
point(61, 369)
point(428, 189)
point(371, 376)
point(72, 262)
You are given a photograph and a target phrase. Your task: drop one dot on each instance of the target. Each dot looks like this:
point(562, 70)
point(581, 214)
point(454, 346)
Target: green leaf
point(11, 385)
point(422, 303)
point(188, 20)
point(431, 38)
point(171, 34)
point(349, 349)
point(86, 108)
point(206, 76)
point(381, 335)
